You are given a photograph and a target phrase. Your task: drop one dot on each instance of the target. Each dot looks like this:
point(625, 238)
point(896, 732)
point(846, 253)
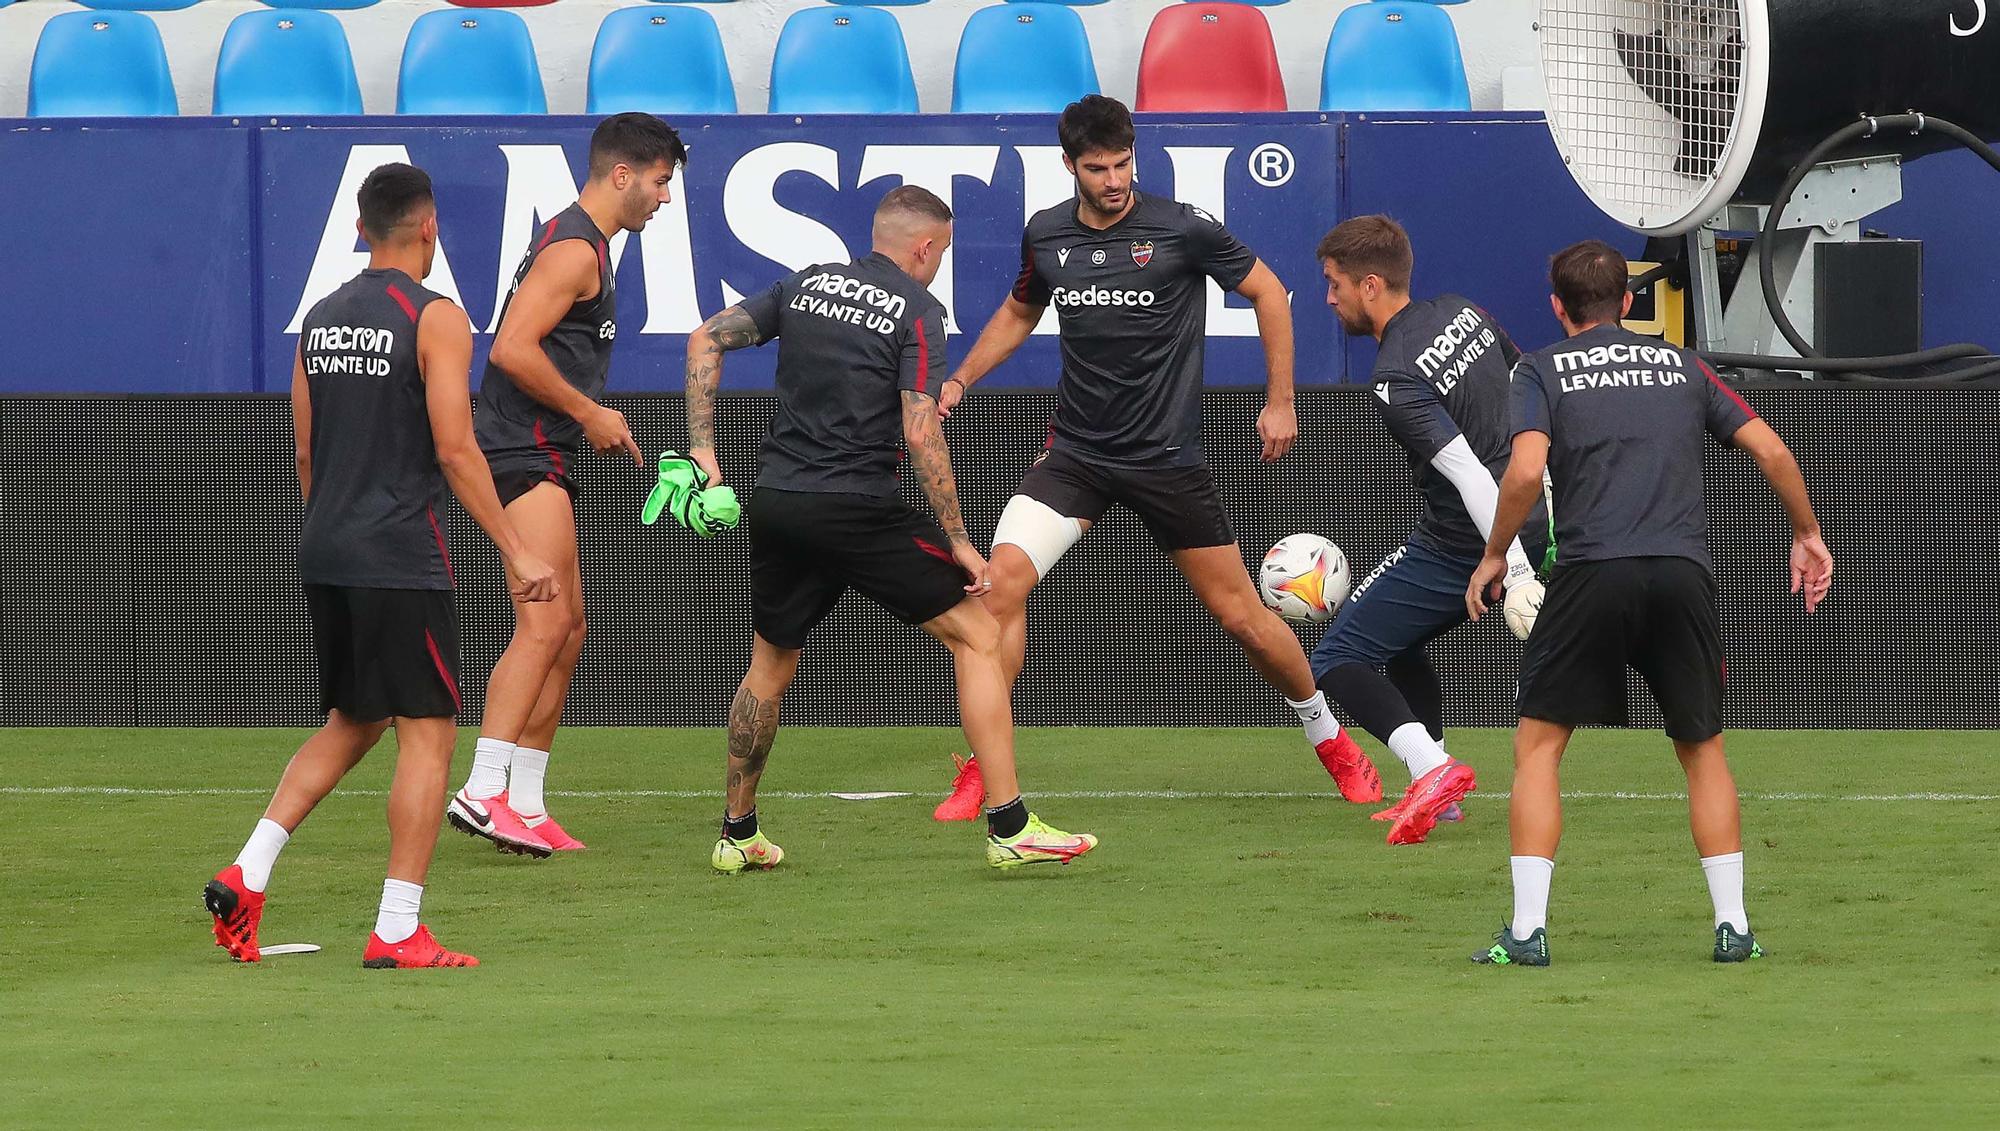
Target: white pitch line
point(1074, 794)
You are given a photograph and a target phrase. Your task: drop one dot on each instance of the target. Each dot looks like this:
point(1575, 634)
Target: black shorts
point(1656, 615)
point(517, 473)
point(1180, 506)
point(385, 653)
point(806, 549)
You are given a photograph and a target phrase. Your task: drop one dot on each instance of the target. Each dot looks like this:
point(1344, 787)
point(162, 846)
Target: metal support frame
point(1828, 207)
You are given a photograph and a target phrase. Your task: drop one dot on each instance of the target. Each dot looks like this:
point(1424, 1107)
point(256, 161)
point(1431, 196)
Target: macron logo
point(1062, 258)
point(1382, 391)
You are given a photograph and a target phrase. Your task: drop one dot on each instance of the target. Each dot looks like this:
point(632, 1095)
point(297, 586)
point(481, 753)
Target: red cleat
point(1427, 799)
point(1351, 769)
point(417, 952)
point(552, 834)
point(237, 912)
point(968, 792)
point(493, 819)
point(1454, 813)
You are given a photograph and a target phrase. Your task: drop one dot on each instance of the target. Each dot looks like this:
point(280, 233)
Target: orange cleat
point(1351, 769)
point(552, 834)
point(1427, 799)
point(237, 912)
point(493, 819)
point(417, 952)
point(968, 792)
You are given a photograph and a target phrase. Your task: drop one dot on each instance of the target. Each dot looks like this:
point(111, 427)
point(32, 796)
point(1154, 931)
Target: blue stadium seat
point(1022, 58)
point(1394, 55)
point(330, 5)
point(285, 61)
point(842, 61)
point(1064, 3)
point(137, 5)
point(461, 62)
point(661, 61)
point(878, 3)
point(100, 64)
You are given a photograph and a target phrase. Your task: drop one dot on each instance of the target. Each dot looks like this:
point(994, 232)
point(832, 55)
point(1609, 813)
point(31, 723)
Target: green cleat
point(1510, 951)
point(1037, 844)
point(1732, 947)
point(733, 856)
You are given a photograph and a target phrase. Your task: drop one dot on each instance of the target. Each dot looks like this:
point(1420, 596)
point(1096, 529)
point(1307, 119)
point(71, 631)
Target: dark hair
point(389, 194)
point(1095, 124)
point(1590, 280)
point(914, 200)
point(634, 139)
point(1370, 245)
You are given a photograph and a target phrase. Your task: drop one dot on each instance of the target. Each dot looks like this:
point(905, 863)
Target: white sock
point(1317, 718)
point(261, 851)
point(397, 920)
point(524, 782)
point(489, 769)
point(1725, 889)
point(1418, 750)
point(1531, 894)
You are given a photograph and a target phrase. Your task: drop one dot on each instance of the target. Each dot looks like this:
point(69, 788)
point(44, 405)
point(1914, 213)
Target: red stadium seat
point(1210, 57)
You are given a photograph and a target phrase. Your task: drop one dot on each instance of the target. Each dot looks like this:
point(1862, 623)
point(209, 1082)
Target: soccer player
point(1440, 383)
point(1127, 273)
point(1619, 418)
point(860, 362)
point(538, 406)
point(382, 408)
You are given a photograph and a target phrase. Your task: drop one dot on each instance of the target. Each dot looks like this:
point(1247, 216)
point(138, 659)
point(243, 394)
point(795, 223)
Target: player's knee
point(1013, 576)
point(1249, 624)
point(548, 630)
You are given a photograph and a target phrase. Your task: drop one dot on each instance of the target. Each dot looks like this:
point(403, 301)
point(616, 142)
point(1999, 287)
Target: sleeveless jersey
point(371, 517)
point(512, 423)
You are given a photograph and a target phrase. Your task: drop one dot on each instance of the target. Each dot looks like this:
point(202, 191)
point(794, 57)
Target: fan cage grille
point(1643, 98)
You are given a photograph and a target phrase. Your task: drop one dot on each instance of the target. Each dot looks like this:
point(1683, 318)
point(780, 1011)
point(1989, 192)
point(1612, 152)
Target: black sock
point(739, 828)
point(1009, 819)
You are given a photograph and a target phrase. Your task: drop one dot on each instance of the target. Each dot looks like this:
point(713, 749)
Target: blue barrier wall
point(176, 255)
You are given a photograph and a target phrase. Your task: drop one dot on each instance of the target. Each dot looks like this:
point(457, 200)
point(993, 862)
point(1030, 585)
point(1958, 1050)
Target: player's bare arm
point(932, 461)
point(302, 422)
point(562, 276)
point(733, 329)
point(444, 357)
point(1278, 424)
point(1812, 562)
point(1004, 333)
point(1519, 489)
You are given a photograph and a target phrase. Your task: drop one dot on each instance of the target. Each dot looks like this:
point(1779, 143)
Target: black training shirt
point(1625, 415)
point(1133, 305)
point(851, 336)
point(1442, 373)
point(371, 517)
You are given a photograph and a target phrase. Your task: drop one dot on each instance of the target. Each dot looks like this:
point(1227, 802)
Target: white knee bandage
point(1041, 532)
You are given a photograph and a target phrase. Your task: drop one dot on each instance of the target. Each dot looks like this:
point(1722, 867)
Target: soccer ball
point(1522, 606)
point(1304, 578)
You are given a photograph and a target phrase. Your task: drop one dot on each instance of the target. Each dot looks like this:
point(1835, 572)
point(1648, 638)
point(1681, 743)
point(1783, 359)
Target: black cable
point(1854, 368)
point(1649, 276)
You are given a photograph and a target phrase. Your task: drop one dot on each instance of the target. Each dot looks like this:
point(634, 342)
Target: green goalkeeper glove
point(707, 511)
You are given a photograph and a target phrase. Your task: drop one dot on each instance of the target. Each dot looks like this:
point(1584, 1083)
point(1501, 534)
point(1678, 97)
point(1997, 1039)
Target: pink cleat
point(968, 792)
point(1351, 769)
point(552, 834)
point(493, 819)
point(1428, 797)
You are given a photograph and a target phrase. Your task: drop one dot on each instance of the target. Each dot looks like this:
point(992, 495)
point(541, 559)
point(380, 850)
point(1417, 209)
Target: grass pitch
point(1221, 961)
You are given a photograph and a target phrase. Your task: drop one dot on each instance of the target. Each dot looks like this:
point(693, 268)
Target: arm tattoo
point(753, 726)
point(730, 330)
point(932, 462)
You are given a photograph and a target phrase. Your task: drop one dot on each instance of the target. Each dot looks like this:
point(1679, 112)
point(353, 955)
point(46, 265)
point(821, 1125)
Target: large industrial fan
point(1786, 118)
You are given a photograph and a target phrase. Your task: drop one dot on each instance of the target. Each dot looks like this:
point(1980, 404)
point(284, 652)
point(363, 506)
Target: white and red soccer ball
point(1304, 578)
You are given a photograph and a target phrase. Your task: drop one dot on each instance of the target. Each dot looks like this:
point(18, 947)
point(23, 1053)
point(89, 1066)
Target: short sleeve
point(1726, 410)
point(1530, 398)
point(1214, 251)
point(1510, 354)
point(1030, 289)
point(922, 367)
point(764, 308)
point(1414, 413)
